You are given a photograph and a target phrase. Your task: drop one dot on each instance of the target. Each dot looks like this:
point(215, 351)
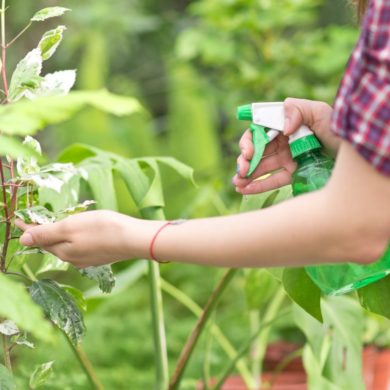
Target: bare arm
point(348, 220)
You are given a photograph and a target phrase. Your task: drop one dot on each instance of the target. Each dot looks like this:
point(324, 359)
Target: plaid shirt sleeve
point(362, 107)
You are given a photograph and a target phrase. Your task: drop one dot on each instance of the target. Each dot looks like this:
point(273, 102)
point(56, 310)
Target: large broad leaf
point(103, 275)
point(26, 75)
point(60, 308)
point(101, 181)
point(29, 116)
point(303, 291)
point(376, 297)
point(333, 353)
point(50, 42)
point(17, 305)
point(49, 12)
point(260, 286)
point(6, 379)
point(40, 375)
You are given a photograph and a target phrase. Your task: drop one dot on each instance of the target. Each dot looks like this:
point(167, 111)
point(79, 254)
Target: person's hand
point(277, 160)
point(90, 238)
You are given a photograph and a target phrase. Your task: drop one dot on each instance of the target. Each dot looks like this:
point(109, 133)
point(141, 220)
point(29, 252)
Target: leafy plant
point(40, 194)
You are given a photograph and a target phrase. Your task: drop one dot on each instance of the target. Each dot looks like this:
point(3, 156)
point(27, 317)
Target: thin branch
point(4, 51)
point(18, 36)
point(198, 328)
point(85, 364)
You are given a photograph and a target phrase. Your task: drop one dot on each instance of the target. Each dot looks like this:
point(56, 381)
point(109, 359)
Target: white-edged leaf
point(26, 75)
point(103, 275)
point(49, 12)
point(21, 339)
point(79, 208)
point(50, 42)
point(9, 328)
point(60, 308)
point(6, 379)
point(37, 214)
point(54, 84)
point(52, 263)
point(29, 165)
point(13, 147)
point(40, 375)
point(29, 116)
point(17, 306)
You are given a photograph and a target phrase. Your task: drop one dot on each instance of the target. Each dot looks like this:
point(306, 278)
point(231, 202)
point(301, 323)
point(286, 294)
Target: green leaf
point(29, 116)
point(52, 263)
point(41, 374)
point(17, 306)
point(77, 295)
point(38, 214)
point(100, 179)
point(260, 286)
point(14, 148)
point(6, 379)
point(50, 42)
point(376, 297)
point(49, 12)
point(60, 307)
point(26, 75)
point(103, 275)
point(303, 291)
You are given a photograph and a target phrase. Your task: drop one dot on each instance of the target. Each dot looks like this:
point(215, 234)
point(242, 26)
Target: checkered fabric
point(362, 108)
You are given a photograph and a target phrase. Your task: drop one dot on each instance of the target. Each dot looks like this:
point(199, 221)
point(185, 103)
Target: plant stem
point(86, 365)
point(7, 355)
point(157, 311)
point(199, 326)
point(215, 330)
point(3, 50)
point(256, 358)
point(18, 36)
point(3, 255)
point(269, 318)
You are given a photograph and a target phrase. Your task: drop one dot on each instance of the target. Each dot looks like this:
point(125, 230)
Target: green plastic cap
point(244, 113)
point(304, 144)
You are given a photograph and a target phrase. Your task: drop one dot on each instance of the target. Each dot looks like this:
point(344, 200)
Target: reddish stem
point(7, 222)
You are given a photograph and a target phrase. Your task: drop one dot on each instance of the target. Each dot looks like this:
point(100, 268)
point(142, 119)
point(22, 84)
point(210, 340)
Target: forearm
point(349, 220)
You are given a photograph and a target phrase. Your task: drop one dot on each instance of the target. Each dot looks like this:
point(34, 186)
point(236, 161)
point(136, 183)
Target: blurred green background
point(190, 63)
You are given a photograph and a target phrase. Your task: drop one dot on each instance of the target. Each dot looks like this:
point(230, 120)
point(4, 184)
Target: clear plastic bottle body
point(313, 171)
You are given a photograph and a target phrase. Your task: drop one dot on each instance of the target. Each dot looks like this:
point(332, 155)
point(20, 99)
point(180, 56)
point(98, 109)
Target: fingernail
point(286, 126)
point(238, 169)
point(27, 239)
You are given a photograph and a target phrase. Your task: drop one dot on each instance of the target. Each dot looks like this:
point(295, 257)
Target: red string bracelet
point(151, 246)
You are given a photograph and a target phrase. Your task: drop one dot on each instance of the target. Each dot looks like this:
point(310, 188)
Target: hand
point(91, 238)
point(277, 160)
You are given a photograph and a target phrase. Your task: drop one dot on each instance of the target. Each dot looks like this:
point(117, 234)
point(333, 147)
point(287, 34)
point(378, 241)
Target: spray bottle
point(314, 169)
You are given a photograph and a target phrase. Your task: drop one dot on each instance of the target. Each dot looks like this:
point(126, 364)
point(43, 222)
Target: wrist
point(137, 234)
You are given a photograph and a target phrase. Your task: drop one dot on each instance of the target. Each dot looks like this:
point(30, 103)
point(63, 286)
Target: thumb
point(296, 113)
point(42, 235)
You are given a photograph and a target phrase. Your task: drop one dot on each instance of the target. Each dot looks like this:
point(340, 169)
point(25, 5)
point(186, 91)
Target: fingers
point(42, 235)
point(22, 225)
point(272, 182)
point(246, 145)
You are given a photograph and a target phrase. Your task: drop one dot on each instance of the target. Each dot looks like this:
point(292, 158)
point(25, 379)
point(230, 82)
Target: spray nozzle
point(267, 123)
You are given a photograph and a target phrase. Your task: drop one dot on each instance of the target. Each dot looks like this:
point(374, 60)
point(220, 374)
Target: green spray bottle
point(314, 169)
